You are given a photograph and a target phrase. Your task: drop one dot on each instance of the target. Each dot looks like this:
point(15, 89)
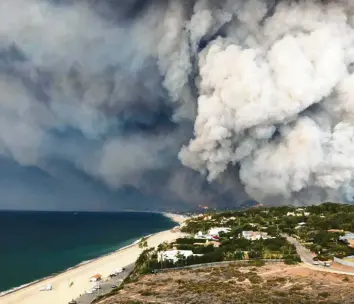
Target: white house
point(306, 213)
point(217, 230)
point(290, 214)
point(348, 236)
point(254, 235)
point(172, 255)
point(299, 225)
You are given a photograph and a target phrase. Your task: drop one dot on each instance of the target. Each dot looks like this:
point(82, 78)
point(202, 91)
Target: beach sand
point(80, 276)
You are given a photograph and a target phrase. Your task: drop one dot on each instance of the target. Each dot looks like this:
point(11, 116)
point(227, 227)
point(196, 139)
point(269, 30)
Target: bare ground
point(235, 285)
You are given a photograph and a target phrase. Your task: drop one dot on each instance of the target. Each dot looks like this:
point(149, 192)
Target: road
point(307, 258)
point(106, 286)
point(304, 253)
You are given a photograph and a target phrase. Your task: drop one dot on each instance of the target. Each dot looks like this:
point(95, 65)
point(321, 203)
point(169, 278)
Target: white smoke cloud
point(255, 89)
point(267, 84)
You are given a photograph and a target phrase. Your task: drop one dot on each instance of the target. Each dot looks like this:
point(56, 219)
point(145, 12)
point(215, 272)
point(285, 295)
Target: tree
point(180, 258)
point(143, 243)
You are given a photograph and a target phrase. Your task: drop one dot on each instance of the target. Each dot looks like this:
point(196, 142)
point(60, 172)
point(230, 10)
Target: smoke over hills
point(191, 101)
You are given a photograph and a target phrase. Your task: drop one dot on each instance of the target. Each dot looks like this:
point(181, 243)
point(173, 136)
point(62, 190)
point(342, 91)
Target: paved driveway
point(304, 253)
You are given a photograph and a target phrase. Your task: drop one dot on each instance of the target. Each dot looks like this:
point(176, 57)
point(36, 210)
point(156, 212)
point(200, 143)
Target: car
point(315, 263)
point(72, 302)
point(114, 286)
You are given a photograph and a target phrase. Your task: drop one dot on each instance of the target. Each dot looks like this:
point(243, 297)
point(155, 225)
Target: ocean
point(34, 245)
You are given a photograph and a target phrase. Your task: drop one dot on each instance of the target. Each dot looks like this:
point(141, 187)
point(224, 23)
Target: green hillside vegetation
point(274, 220)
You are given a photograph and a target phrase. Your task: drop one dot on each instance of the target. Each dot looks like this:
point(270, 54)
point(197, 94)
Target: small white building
point(254, 235)
point(172, 255)
point(290, 214)
point(299, 225)
point(217, 230)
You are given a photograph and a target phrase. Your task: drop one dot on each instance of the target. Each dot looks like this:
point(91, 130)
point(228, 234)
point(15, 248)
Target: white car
point(315, 263)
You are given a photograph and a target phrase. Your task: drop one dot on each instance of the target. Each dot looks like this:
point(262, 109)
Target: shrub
point(324, 294)
point(147, 293)
point(290, 262)
point(257, 263)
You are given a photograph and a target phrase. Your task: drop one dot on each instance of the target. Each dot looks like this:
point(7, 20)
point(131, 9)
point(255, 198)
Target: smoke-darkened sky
point(169, 104)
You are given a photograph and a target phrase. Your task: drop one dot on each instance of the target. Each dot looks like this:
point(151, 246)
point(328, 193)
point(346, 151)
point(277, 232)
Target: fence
point(218, 264)
point(344, 262)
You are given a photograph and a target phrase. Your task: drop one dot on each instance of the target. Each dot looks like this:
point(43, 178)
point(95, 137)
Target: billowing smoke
point(116, 88)
point(275, 95)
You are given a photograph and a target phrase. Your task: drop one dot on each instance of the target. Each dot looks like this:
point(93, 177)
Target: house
point(335, 230)
point(299, 225)
point(348, 237)
point(207, 243)
point(173, 255)
point(95, 278)
point(307, 213)
point(214, 243)
point(290, 214)
point(254, 235)
point(216, 230)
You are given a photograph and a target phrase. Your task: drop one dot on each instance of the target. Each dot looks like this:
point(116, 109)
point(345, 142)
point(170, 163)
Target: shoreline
point(157, 238)
point(83, 263)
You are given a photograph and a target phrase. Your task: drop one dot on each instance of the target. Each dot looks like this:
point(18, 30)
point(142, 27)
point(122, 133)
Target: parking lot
point(106, 286)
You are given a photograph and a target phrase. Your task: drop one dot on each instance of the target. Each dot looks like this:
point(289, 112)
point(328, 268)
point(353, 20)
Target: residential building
point(348, 237)
point(173, 255)
point(207, 243)
point(217, 230)
point(299, 225)
point(335, 230)
point(214, 243)
point(254, 235)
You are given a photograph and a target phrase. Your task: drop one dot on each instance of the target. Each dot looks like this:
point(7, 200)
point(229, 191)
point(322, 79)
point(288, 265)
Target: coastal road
point(106, 286)
point(307, 258)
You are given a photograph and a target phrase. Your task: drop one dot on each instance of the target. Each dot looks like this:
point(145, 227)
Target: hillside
point(262, 249)
point(235, 285)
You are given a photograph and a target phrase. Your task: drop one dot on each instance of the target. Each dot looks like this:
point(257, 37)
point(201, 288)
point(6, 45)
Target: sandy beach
point(80, 276)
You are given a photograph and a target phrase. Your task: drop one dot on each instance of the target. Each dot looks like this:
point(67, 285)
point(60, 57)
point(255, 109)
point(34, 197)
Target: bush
point(290, 262)
point(324, 294)
point(257, 263)
point(147, 293)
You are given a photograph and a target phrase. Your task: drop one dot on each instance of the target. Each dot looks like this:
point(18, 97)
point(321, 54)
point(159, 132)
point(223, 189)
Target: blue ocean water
point(34, 245)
